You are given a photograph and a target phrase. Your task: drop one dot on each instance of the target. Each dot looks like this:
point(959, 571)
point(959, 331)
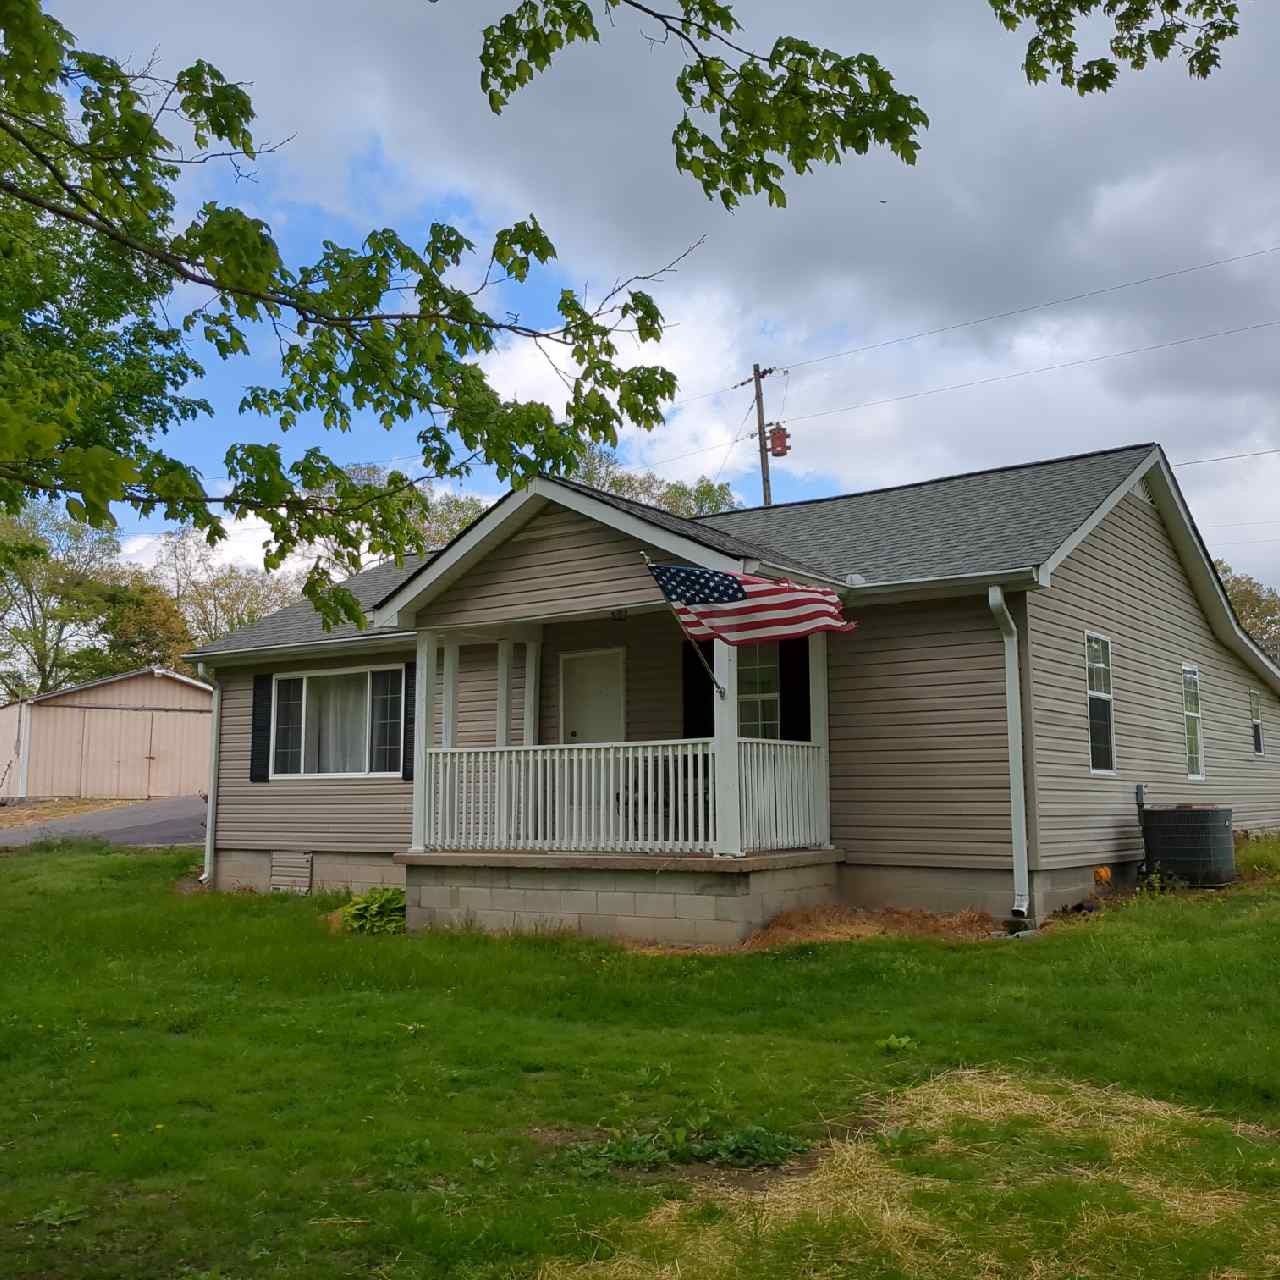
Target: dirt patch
point(188, 885)
point(850, 924)
point(708, 1178)
point(29, 813)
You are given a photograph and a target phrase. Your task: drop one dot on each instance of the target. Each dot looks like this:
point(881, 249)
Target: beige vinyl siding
point(477, 699)
point(559, 564)
point(1125, 581)
point(329, 815)
point(655, 701)
point(919, 744)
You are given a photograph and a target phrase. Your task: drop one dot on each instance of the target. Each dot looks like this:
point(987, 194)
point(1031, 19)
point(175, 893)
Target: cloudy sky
point(1021, 195)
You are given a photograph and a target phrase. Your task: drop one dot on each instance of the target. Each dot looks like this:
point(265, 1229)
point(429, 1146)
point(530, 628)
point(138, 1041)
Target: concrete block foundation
point(675, 901)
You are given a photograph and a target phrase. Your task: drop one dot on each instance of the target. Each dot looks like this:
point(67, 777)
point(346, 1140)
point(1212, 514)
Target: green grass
point(214, 1085)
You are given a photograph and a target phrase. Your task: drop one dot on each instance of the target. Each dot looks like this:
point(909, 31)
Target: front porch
point(589, 684)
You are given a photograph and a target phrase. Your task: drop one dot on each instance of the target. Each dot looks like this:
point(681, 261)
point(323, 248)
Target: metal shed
point(132, 736)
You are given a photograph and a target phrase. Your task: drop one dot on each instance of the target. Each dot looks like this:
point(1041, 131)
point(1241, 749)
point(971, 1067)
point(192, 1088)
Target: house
point(130, 736)
point(523, 738)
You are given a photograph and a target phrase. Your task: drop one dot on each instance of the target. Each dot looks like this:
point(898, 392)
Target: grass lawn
point(214, 1086)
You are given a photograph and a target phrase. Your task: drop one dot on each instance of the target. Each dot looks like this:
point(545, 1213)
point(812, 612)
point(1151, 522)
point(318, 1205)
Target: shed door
point(117, 743)
point(179, 753)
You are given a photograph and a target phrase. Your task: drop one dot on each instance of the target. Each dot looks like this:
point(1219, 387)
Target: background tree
point(50, 602)
point(137, 624)
point(600, 468)
point(394, 329)
point(214, 599)
point(1257, 606)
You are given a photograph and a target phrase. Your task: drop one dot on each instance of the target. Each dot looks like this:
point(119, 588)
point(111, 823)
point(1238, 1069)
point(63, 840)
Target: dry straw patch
point(857, 1185)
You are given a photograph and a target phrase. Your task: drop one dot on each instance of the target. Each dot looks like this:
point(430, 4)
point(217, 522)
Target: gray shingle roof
point(705, 532)
point(982, 522)
point(300, 623)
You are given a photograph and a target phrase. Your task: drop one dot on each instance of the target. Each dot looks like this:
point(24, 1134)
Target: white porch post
point(449, 701)
point(728, 801)
point(424, 709)
point(532, 692)
point(820, 734)
point(502, 736)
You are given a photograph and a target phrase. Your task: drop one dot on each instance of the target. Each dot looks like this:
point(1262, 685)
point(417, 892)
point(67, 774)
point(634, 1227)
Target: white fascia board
point(1105, 508)
point(517, 509)
point(1025, 578)
point(1204, 577)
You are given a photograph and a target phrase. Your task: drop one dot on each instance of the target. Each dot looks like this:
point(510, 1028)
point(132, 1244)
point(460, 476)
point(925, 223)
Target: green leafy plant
point(379, 911)
point(751, 1147)
point(1153, 879)
point(892, 1044)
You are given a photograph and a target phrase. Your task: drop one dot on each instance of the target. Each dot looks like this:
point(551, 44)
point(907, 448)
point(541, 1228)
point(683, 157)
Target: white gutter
point(1017, 775)
point(214, 752)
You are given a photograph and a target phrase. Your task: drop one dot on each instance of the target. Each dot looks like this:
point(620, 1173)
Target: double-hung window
point(1102, 731)
point(759, 685)
point(338, 723)
point(1194, 726)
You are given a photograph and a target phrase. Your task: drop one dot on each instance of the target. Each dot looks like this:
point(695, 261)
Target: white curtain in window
point(337, 723)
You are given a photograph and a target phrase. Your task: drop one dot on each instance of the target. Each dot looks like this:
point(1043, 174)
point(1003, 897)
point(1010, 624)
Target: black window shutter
point(260, 730)
point(793, 688)
point(410, 719)
point(697, 690)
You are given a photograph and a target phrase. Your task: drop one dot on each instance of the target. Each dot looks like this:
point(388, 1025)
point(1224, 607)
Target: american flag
point(740, 609)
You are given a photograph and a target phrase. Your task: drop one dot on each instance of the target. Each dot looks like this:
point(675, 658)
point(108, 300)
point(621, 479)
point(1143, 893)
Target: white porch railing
point(647, 797)
point(782, 803)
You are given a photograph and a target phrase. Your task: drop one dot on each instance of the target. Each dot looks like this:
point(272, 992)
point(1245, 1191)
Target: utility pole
point(765, 486)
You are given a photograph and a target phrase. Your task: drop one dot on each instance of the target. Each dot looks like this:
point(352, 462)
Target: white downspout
point(214, 752)
point(1017, 774)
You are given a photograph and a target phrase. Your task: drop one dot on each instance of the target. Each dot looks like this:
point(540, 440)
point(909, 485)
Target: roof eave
point(1021, 578)
point(254, 655)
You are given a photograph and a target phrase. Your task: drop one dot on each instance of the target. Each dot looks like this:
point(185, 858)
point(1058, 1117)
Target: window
point(759, 714)
point(1191, 715)
point(1102, 734)
point(1255, 715)
point(339, 722)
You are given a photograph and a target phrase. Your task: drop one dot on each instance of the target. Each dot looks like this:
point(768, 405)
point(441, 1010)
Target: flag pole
point(697, 648)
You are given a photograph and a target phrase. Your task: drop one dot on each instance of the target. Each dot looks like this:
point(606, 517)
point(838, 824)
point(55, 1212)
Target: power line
point(1047, 368)
point(1037, 306)
point(1228, 457)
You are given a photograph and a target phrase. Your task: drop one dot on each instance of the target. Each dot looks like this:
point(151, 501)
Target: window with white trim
point(759, 691)
point(1193, 722)
point(1255, 717)
point(1102, 731)
point(338, 723)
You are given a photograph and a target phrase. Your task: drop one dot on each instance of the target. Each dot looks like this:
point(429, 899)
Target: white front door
point(593, 696)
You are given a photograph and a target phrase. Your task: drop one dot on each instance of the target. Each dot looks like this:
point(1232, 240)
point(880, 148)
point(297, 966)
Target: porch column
point(449, 702)
point(502, 736)
point(728, 802)
point(820, 734)
point(532, 691)
point(424, 712)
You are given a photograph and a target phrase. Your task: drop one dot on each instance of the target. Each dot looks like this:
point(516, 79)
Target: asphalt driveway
point(174, 820)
